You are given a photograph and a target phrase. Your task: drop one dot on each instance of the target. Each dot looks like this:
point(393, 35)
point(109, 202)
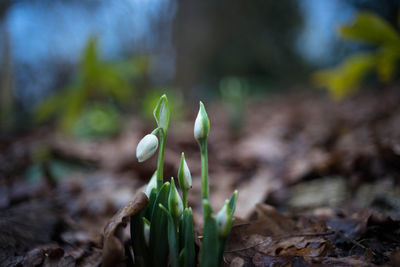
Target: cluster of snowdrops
point(168, 212)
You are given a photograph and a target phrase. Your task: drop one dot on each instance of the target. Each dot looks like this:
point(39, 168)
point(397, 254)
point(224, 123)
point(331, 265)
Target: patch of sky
point(319, 37)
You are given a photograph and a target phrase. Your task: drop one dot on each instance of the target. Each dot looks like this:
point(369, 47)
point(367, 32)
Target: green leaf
point(51, 106)
point(138, 243)
point(232, 202)
point(210, 245)
point(162, 113)
point(345, 79)
point(158, 228)
point(182, 258)
point(372, 29)
point(386, 64)
point(172, 238)
point(223, 239)
point(186, 238)
point(150, 206)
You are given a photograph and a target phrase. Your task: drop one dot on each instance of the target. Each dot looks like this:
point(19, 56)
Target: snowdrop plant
point(163, 233)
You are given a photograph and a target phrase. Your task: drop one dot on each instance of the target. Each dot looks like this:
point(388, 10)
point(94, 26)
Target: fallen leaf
point(261, 260)
point(258, 187)
point(274, 234)
point(113, 246)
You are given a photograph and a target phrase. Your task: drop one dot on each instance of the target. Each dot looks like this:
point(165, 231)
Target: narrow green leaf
point(138, 242)
point(150, 206)
point(186, 236)
point(158, 228)
point(172, 238)
point(181, 231)
point(223, 239)
point(162, 113)
point(210, 244)
point(232, 202)
point(182, 258)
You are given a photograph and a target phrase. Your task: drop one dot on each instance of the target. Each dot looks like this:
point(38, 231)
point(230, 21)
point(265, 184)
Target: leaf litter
point(317, 181)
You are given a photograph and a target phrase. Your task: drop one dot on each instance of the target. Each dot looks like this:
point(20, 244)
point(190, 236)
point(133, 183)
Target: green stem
point(184, 198)
point(160, 160)
point(204, 169)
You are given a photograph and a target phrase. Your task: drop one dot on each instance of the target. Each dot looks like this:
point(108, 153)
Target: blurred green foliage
point(89, 105)
point(44, 164)
point(371, 29)
point(97, 120)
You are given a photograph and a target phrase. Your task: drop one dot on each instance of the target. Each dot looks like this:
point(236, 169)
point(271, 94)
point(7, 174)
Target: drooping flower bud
point(224, 219)
point(146, 147)
point(175, 204)
point(184, 176)
point(146, 231)
point(151, 184)
point(201, 124)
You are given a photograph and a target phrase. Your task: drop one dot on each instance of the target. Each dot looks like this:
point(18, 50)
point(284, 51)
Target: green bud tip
point(184, 176)
point(162, 113)
point(175, 204)
point(224, 219)
point(201, 124)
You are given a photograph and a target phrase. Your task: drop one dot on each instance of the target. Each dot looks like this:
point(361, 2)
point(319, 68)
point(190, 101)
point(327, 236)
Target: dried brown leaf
point(261, 260)
point(274, 234)
point(113, 247)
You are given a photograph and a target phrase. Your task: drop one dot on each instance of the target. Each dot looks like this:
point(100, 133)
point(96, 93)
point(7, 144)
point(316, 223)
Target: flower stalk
point(160, 160)
point(204, 170)
point(161, 114)
point(201, 131)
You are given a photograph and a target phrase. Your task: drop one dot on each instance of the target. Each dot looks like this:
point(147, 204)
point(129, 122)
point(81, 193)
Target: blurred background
point(69, 61)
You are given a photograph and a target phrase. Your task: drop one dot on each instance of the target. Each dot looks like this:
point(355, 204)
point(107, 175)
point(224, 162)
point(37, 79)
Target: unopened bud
point(146, 147)
point(184, 176)
point(175, 204)
point(201, 124)
point(224, 219)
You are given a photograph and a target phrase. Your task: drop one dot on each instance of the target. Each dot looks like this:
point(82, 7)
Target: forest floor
point(318, 184)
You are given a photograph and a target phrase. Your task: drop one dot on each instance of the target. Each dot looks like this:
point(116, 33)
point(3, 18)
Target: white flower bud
point(184, 176)
point(146, 147)
point(146, 231)
point(224, 219)
point(151, 184)
point(201, 124)
point(175, 204)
